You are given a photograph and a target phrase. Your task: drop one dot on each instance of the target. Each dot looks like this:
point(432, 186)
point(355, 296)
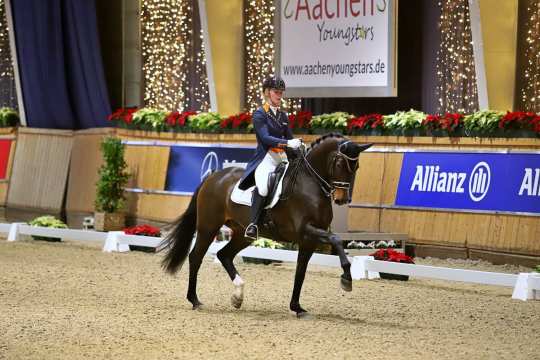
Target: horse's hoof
point(304, 315)
point(197, 306)
point(236, 301)
point(346, 285)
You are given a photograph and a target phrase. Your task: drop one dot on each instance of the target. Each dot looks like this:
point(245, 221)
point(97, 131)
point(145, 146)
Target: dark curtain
point(60, 64)
point(416, 67)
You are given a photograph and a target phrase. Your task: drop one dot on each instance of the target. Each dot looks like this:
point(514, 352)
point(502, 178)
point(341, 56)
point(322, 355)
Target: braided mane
point(315, 143)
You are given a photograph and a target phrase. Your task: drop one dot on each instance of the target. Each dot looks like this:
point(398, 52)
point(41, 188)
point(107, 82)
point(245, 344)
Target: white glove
point(294, 143)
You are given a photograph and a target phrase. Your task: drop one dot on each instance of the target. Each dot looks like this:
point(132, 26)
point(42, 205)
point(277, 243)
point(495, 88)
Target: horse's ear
point(363, 147)
point(358, 148)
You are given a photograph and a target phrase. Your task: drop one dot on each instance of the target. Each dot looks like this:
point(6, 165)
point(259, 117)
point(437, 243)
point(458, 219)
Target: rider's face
point(275, 97)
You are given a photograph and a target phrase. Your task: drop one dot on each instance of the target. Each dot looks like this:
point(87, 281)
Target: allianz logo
point(530, 184)
point(430, 178)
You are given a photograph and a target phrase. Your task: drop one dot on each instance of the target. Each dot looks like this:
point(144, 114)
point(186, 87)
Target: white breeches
point(267, 166)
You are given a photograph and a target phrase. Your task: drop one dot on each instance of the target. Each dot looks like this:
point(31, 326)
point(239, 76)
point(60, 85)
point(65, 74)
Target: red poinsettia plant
point(520, 120)
point(449, 122)
point(123, 116)
point(300, 120)
point(143, 230)
point(177, 119)
point(392, 255)
point(366, 122)
point(238, 121)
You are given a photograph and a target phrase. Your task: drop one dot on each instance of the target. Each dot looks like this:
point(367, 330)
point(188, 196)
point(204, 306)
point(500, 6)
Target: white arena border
point(526, 285)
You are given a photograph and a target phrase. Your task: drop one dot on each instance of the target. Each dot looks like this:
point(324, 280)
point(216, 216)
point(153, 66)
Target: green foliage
point(336, 120)
point(8, 117)
point(411, 119)
point(48, 221)
point(209, 121)
point(150, 118)
point(267, 243)
point(537, 269)
point(113, 176)
point(484, 121)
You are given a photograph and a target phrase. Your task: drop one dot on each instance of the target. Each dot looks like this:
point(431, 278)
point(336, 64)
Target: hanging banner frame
point(336, 90)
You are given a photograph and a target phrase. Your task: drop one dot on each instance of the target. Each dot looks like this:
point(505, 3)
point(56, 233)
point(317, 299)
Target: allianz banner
point(189, 164)
point(470, 181)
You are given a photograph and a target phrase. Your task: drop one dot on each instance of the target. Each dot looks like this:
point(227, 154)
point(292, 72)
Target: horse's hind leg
point(226, 256)
point(203, 241)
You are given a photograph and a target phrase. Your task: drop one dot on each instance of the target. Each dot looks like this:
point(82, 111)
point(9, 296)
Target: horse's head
point(343, 166)
point(337, 162)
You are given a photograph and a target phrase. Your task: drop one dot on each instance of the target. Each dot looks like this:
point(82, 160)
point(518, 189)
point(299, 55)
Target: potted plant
point(371, 124)
point(300, 122)
point(325, 123)
point(47, 221)
point(394, 256)
point(8, 117)
point(177, 121)
point(263, 243)
point(113, 176)
point(240, 123)
point(150, 119)
point(406, 123)
point(205, 122)
point(483, 123)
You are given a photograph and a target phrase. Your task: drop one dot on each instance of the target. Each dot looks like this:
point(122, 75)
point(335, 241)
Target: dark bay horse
point(323, 173)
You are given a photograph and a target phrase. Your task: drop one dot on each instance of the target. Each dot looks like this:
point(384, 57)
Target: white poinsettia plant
point(411, 119)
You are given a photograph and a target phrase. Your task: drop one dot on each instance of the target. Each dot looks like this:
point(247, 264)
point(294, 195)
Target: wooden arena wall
point(448, 233)
point(49, 169)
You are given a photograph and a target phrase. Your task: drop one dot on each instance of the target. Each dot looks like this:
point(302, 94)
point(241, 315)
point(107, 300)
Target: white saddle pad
point(243, 197)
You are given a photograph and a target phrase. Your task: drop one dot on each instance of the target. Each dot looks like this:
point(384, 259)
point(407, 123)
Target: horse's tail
point(179, 240)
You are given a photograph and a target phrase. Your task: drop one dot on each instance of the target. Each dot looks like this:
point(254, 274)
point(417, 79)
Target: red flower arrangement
point(123, 116)
point(449, 122)
point(300, 120)
point(144, 230)
point(366, 122)
point(178, 119)
point(238, 121)
point(520, 120)
point(392, 255)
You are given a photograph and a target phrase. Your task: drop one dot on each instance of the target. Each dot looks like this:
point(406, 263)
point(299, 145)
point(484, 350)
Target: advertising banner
point(5, 149)
point(339, 44)
point(470, 181)
point(189, 164)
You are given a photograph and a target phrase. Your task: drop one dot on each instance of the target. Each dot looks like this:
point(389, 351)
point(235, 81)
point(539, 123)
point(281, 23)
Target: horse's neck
point(318, 159)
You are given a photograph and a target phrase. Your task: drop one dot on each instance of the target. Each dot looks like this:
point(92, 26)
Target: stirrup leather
point(249, 231)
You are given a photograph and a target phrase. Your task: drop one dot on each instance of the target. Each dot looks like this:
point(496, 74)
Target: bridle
point(351, 169)
point(329, 188)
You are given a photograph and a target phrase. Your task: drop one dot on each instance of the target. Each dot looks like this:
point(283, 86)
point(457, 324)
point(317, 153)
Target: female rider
point(273, 135)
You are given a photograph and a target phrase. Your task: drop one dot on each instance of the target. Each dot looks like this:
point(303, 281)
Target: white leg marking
point(238, 294)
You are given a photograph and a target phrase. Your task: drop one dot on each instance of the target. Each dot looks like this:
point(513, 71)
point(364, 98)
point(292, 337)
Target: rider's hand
point(294, 143)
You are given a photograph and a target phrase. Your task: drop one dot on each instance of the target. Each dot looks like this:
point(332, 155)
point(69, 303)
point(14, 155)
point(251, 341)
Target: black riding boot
point(257, 207)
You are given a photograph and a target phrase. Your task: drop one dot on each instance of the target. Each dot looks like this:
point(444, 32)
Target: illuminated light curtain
point(529, 81)
point(174, 61)
point(8, 96)
point(456, 79)
point(259, 55)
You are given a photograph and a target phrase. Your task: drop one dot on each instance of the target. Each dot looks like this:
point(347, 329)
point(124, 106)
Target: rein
point(327, 188)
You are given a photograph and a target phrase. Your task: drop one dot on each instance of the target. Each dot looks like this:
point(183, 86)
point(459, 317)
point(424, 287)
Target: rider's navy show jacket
point(271, 132)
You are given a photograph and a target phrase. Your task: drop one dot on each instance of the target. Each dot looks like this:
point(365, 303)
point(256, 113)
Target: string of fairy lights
point(259, 55)
point(530, 92)
point(456, 78)
point(174, 61)
point(8, 96)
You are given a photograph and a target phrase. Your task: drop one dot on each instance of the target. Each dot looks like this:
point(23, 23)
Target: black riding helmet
point(274, 82)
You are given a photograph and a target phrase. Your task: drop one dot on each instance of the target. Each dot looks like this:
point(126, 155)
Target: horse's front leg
point(327, 237)
point(301, 266)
